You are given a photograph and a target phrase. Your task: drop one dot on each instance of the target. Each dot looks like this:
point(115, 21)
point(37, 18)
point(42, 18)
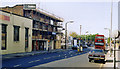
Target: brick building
point(46, 33)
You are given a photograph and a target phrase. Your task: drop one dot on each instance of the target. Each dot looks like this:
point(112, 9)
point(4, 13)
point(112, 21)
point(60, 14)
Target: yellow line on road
point(101, 66)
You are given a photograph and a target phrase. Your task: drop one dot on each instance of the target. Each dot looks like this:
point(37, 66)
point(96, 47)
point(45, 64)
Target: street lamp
point(109, 35)
point(85, 36)
point(66, 32)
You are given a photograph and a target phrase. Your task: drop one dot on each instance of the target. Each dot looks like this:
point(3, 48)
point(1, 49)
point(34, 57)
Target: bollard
point(78, 49)
point(81, 49)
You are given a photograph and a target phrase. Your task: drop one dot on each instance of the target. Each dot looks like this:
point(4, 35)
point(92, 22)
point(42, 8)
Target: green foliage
point(88, 37)
point(108, 40)
point(73, 34)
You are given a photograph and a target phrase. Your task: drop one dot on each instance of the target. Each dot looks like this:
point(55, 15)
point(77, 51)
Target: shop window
point(16, 33)
point(4, 36)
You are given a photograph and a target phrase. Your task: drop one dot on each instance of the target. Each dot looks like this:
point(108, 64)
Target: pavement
point(15, 55)
point(110, 58)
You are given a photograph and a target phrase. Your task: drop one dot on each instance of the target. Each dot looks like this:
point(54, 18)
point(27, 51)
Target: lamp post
point(85, 36)
point(109, 34)
point(66, 32)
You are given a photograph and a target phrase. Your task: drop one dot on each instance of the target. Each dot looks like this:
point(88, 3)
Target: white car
point(97, 54)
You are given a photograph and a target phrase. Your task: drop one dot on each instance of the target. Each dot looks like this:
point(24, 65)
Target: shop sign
point(4, 17)
point(29, 6)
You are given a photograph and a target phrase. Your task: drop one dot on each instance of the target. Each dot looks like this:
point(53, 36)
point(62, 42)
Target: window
point(16, 33)
point(99, 37)
point(4, 36)
point(99, 44)
point(95, 51)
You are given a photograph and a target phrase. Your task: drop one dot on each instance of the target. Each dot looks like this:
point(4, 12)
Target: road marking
point(47, 58)
point(34, 61)
point(17, 65)
point(101, 66)
point(31, 62)
point(65, 56)
point(37, 60)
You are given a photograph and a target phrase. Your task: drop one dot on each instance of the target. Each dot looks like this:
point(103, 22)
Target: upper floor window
point(4, 37)
point(16, 33)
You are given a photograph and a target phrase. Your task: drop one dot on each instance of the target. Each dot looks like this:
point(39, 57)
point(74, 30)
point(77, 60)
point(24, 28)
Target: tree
point(73, 34)
point(88, 37)
point(108, 40)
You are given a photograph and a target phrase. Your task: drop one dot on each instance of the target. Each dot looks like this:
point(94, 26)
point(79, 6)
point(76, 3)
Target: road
point(30, 61)
point(77, 61)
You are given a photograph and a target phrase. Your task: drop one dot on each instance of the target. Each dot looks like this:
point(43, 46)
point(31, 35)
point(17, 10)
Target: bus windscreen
point(99, 44)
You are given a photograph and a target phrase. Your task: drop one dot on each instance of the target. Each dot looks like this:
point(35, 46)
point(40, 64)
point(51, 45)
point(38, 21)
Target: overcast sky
point(93, 15)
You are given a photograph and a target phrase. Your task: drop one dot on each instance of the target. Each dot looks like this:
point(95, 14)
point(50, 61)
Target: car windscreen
point(95, 51)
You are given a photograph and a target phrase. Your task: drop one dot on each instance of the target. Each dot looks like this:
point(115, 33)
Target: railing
point(37, 37)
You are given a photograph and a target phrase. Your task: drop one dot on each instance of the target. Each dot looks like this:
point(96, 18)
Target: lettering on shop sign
point(4, 17)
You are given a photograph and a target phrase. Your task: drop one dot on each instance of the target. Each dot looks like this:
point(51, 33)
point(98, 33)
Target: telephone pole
point(80, 29)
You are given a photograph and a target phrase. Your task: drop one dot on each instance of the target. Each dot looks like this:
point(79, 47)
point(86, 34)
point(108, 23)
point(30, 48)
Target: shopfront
point(39, 45)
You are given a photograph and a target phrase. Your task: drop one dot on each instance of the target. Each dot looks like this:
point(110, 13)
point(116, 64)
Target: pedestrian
point(111, 52)
point(48, 48)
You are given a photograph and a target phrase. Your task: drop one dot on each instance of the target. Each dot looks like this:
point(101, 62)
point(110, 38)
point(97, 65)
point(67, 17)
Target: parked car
point(75, 47)
point(84, 46)
point(92, 45)
point(88, 44)
point(119, 46)
point(97, 54)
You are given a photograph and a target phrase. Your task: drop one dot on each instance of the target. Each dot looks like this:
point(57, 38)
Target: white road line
point(65, 56)
point(31, 62)
point(34, 61)
point(37, 60)
point(17, 65)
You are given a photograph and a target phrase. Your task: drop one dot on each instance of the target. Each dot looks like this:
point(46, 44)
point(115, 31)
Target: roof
point(15, 14)
point(48, 14)
point(41, 11)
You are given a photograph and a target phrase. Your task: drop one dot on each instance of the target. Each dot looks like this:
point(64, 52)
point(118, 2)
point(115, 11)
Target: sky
point(93, 15)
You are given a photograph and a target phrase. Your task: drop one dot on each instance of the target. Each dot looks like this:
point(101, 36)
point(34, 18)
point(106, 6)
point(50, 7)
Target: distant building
point(16, 32)
point(45, 26)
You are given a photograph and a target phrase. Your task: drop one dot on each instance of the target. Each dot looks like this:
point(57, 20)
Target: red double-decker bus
point(99, 42)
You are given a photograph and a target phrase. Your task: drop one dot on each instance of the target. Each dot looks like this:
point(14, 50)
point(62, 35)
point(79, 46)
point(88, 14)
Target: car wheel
point(103, 61)
point(89, 60)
